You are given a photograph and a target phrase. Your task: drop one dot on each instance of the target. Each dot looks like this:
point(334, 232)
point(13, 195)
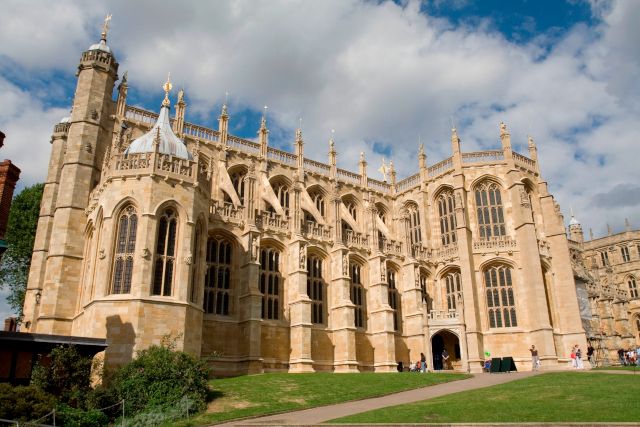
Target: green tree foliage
point(160, 378)
point(67, 375)
point(21, 232)
point(24, 403)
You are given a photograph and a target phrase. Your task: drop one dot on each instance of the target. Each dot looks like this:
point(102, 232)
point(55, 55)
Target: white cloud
point(374, 72)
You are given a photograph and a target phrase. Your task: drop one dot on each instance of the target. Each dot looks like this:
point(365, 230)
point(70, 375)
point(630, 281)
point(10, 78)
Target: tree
point(21, 232)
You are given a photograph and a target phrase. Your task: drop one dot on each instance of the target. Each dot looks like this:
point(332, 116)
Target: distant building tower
point(575, 230)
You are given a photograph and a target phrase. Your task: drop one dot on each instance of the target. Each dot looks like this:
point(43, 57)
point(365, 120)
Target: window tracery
point(217, 281)
point(124, 251)
point(501, 304)
point(446, 210)
point(490, 213)
point(165, 253)
point(270, 283)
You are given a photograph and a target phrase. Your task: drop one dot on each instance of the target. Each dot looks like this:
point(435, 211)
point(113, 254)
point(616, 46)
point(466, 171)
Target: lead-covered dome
point(168, 142)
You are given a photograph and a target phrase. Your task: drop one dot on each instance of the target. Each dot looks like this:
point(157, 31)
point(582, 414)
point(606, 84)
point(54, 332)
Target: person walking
point(535, 360)
point(579, 364)
point(423, 363)
point(445, 359)
point(590, 352)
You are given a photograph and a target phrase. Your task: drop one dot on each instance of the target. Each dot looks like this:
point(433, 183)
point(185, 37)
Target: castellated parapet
point(268, 260)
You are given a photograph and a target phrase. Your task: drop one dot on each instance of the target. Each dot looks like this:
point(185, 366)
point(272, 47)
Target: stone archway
point(445, 340)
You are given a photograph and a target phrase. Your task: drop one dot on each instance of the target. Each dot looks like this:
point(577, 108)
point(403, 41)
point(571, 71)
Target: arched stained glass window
point(633, 287)
point(446, 211)
point(270, 283)
point(357, 295)
point(165, 253)
point(124, 251)
point(394, 298)
point(490, 213)
point(316, 289)
point(217, 280)
point(501, 305)
point(453, 289)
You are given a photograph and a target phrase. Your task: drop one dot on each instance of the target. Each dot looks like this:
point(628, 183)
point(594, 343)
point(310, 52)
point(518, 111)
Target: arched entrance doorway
point(445, 340)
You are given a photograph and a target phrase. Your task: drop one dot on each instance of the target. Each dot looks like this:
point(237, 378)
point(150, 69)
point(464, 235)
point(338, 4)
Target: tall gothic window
point(604, 258)
point(195, 271)
point(282, 191)
point(624, 251)
point(357, 295)
point(315, 288)
point(490, 214)
point(415, 234)
point(353, 210)
point(217, 280)
point(165, 253)
point(446, 210)
point(394, 298)
point(633, 287)
point(125, 248)
point(501, 304)
point(270, 283)
point(453, 289)
point(237, 179)
point(318, 199)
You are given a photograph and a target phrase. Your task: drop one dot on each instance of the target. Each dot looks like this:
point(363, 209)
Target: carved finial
point(263, 122)
point(454, 134)
point(105, 28)
point(332, 144)
point(609, 230)
point(591, 233)
point(503, 129)
point(627, 225)
point(124, 78)
point(181, 96)
point(531, 143)
point(167, 88)
point(384, 170)
point(391, 168)
point(299, 136)
point(362, 157)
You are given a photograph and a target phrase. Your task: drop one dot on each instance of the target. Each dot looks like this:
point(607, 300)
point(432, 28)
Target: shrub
point(24, 403)
point(74, 417)
point(159, 378)
point(67, 376)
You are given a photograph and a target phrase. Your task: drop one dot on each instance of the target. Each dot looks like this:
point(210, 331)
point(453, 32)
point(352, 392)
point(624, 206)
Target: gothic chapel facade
point(151, 226)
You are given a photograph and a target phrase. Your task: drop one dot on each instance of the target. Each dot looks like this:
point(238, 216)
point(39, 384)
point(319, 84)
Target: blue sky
point(383, 74)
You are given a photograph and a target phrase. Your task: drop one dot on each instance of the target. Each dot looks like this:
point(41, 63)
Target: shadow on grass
point(213, 395)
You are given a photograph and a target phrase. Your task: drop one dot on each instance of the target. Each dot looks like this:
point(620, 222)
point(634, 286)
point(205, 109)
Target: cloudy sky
point(383, 74)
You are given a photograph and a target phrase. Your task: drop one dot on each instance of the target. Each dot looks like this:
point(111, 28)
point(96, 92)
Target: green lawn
point(550, 397)
point(255, 395)
point(618, 368)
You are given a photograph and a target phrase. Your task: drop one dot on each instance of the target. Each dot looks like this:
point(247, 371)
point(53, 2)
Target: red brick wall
point(9, 175)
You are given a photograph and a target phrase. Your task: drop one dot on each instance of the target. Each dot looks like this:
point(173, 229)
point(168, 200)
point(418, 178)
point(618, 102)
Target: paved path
point(325, 413)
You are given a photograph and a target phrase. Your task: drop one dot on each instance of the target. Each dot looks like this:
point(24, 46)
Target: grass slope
point(551, 397)
point(255, 395)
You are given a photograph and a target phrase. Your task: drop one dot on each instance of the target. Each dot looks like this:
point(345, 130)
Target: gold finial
point(167, 88)
point(105, 27)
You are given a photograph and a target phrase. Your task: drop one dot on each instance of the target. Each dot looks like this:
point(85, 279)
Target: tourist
point(579, 364)
point(445, 358)
point(621, 357)
point(535, 360)
point(638, 356)
point(590, 357)
point(573, 357)
point(423, 363)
